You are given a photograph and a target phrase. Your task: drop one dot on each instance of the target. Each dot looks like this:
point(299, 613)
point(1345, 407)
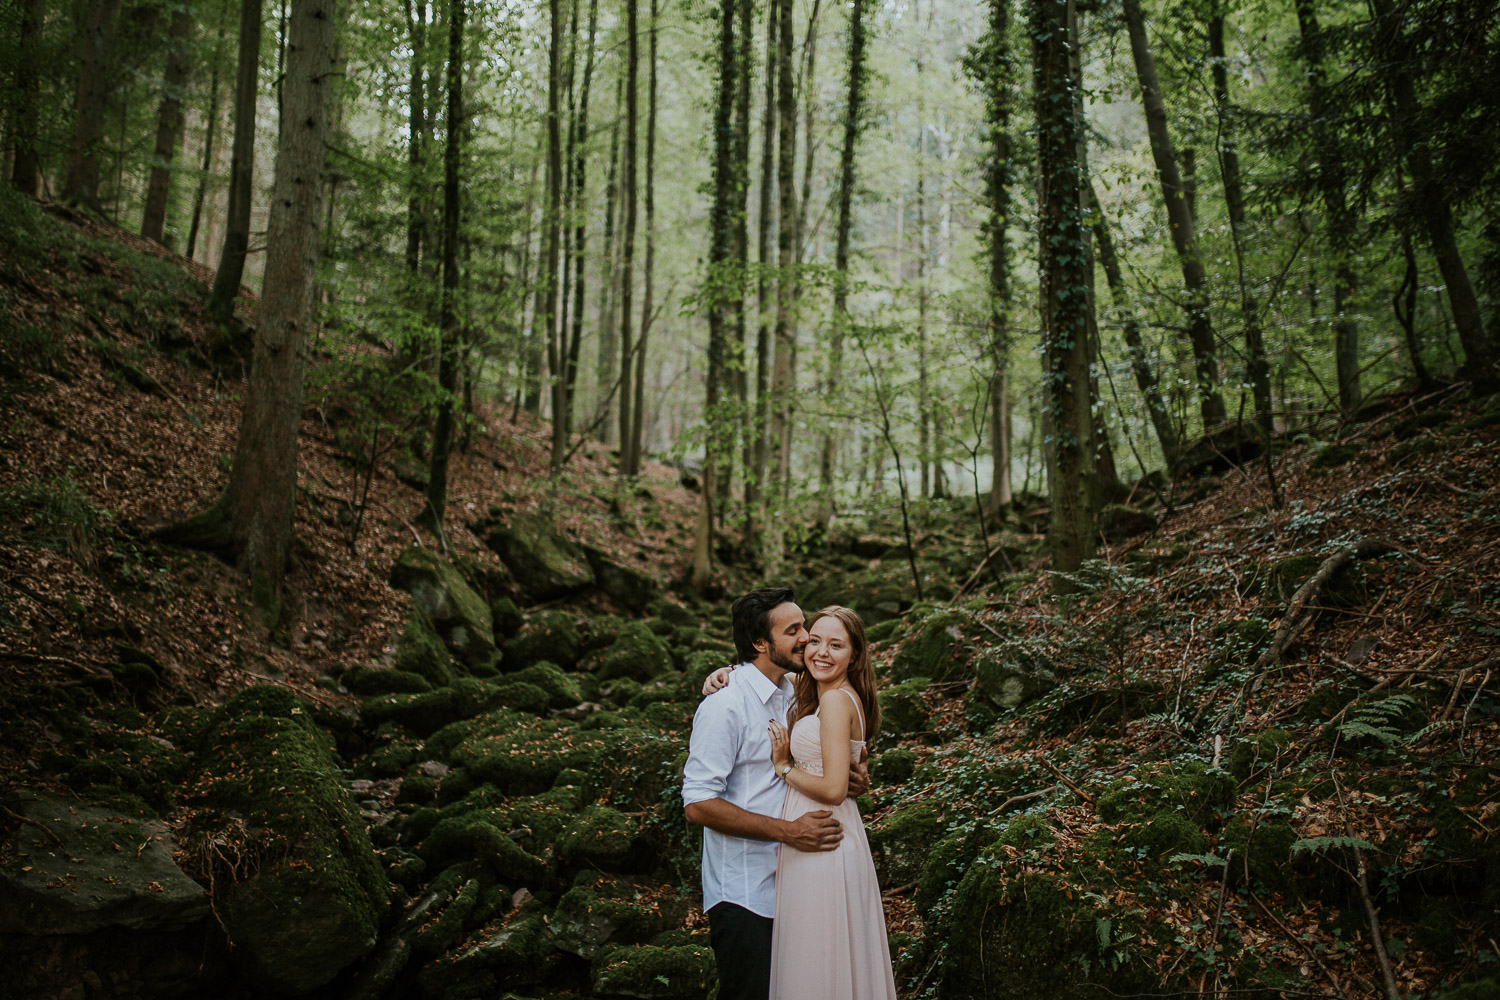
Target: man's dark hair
point(752, 618)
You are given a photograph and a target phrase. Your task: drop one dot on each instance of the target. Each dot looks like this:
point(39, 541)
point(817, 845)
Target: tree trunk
point(627, 252)
point(1482, 354)
point(241, 169)
point(580, 232)
point(448, 318)
point(786, 237)
point(416, 29)
point(990, 62)
point(168, 124)
point(756, 433)
point(1063, 293)
point(740, 247)
point(638, 430)
point(1340, 220)
point(546, 314)
point(924, 403)
point(852, 112)
point(1145, 377)
point(608, 336)
point(82, 184)
point(262, 493)
point(1180, 221)
point(26, 171)
point(210, 134)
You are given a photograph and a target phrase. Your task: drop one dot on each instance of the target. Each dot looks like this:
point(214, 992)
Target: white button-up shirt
point(729, 758)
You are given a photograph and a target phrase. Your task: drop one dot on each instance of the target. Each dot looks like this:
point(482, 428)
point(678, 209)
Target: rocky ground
point(1255, 753)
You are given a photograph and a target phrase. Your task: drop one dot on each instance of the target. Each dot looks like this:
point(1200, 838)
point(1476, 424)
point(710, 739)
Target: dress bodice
point(807, 744)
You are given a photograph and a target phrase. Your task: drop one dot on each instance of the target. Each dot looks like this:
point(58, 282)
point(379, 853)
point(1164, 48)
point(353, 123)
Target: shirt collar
point(761, 684)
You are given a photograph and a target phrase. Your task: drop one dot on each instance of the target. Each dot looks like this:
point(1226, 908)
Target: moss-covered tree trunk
point(26, 169)
point(263, 480)
point(448, 321)
point(756, 421)
point(241, 168)
point(169, 121)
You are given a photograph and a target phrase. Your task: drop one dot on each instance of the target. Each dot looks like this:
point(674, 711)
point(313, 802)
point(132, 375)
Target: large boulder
point(460, 615)
point(76, 868)
point(637, 653)
point(545, 562)
point(550, 637)
point(607, 910)
point(904, 840)
point(940, 650)
point(306, 898)
point(629, 588)
point(1013, 673)
point(652, 972)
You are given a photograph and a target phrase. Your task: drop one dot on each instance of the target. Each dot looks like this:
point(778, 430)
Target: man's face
point(788, 636)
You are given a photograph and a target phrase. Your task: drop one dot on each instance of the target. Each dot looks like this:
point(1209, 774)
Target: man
point(730, 789)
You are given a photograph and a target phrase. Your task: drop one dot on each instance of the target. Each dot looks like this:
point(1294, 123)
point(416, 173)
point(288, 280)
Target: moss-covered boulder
point(549, 636)
point(544, 560)
point(477, 838)
point(1331, 456)
point(880, 591)
point(517, 753)
point(429, 711)
point(655, 973)
point(507, 618)
point(460, 615)
point(514, 951)
point(601, 838)
point(1117, 522)
point(1346, 589)
point(939, 650)
point(91, 876)
point(563, 690)
point(521, 696)
point(604, 910)
point(367, 681)
point(1012, 673)
point(628, 587)
point(903, 708)
point(892, 767)
point(636, 653)
point(1167, 810)
point(420, 651)
point(904, 840)
point(949, 858)
point(310, 892)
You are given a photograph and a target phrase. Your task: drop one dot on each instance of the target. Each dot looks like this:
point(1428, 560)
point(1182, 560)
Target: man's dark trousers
point(742, 950)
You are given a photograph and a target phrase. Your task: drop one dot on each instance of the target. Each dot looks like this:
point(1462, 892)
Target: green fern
point(1320, 845)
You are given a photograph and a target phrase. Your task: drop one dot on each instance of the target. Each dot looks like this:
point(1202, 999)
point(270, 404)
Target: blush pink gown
point(828, 941)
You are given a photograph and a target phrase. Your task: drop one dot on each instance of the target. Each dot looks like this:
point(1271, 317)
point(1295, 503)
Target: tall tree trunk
point(786, 238)
point(1140, 364)
point(546, 314)
point(924, 401)
point(718, 280)
point(210, 134)
point(740, 246)
point(448, 318)
point(627, 252)
point(262, 493)
point(565, 277)
point(853, 109)
point(416, 30)
point(757, 430)
point(608, 281)
point(1064, 285)
point(26, 170)
point(241, 169)
point(1179, 220)
point(168, 124)
point(82, 184)
point(991, 62)
point(1482, 353)
point(580, 232)
point(534, 350)
point(638, 430)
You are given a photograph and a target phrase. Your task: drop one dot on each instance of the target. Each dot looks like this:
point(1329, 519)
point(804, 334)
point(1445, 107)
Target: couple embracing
point(776, 758)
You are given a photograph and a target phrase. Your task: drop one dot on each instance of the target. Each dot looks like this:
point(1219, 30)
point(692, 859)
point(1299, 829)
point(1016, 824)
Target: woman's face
point(829, 651)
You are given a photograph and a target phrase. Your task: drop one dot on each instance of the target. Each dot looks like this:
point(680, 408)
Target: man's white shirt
point(729, 758)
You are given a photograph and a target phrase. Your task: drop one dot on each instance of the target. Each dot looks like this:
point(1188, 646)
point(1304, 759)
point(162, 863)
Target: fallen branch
point(31, 822)
point(1376, 938)
point(1016, 800)
point(1085, 796)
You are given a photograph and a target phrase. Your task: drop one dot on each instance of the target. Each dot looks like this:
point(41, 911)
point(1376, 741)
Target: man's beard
point(787, 662)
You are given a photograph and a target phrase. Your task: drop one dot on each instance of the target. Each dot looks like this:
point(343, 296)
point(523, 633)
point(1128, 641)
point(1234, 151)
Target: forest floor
point(1361, 759)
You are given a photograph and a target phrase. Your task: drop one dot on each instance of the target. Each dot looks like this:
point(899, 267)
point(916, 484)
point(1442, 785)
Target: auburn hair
point(861, 674)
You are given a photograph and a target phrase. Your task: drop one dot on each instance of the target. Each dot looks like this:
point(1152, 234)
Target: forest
point(395, 397)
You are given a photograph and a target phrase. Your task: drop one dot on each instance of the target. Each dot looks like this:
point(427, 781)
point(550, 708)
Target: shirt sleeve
point(712, 749)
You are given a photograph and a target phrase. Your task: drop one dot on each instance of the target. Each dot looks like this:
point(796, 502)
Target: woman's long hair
point(861, 674)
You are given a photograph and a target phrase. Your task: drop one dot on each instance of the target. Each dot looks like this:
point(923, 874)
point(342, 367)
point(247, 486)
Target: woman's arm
point(716, 680)
point(835, 729)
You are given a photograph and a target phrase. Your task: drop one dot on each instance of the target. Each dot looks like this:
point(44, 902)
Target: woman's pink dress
point(828, 941)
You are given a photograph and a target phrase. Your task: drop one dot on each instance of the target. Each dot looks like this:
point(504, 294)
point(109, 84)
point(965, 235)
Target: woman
point(828, 939)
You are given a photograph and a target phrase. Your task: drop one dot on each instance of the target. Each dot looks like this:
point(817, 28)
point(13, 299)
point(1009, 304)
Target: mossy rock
point(1346, 588)
point(521, 696)
point(626, 586)
point(1012, 673)
point(419, 650)
point(368, 681)
point(515, 951)
point(1239, 645)
point(1159, 835)
point(884, 631)
point(1478, 989)
point(476, 838)
point(563, 690)
point(939, 649)
point(945, 865)
point(457, 611)
point(314, 901)
point(1198, 793)
point(1117, 522)
point(1250, 756)
point(904, 840)
point(879, 592)
point(544, 560)
point(892, 767)
point(537, 821)
point(600, 911)
point(1402, 430)
point(601, 838)
point(1092, 703)
point(507, 618)
point(434, 937)
point(677, 615)
point(429, 711)
point(549, 636)
point(655, 973)
point(1265, 848)
point(636, 653)
point(417, 790)
point(130, 761)
point(1332, 456)
point(519, 754)
point(903, 708)
point(599, 632)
